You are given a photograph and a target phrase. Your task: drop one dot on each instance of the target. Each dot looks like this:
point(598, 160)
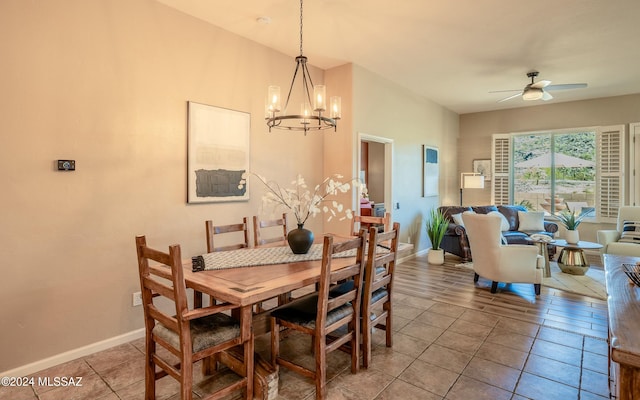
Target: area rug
point(590, 284)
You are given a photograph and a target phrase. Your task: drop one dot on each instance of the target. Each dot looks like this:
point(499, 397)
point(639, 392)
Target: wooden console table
point(624, 329)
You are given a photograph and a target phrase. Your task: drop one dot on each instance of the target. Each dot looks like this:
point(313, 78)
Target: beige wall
point(106, 82)
point(476, 130)
point(385, 110)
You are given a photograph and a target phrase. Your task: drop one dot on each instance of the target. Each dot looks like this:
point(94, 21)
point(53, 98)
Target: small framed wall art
point(483, 167)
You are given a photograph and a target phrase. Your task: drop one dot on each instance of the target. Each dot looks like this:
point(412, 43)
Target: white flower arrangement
point(303, 202)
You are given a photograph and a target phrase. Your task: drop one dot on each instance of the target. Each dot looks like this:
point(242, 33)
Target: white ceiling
point(453, 51)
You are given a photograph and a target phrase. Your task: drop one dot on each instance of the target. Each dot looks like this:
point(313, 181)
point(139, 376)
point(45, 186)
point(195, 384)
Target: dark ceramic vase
point(300, 240)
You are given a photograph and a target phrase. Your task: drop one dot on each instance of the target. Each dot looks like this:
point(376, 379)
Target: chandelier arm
point(305, 75)
point(293, 81)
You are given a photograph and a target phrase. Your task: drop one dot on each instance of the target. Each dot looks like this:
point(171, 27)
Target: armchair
point(501, 263)
point(610, 238)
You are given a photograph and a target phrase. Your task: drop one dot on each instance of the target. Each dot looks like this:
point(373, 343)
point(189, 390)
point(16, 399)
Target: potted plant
point(571, 220)
point(436, 227)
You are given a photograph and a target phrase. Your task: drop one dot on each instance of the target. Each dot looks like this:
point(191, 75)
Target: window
point(579, 170)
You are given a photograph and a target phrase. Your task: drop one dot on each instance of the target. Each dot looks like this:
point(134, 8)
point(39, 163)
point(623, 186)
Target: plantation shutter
point(609, 172)
point(500, 163)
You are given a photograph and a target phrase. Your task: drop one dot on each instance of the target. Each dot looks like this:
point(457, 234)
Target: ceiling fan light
point(532, 93)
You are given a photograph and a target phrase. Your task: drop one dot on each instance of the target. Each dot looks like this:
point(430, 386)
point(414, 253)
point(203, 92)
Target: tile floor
point(440, 351)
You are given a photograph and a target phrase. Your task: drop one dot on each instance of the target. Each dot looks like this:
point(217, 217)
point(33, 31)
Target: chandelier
point(312, 115)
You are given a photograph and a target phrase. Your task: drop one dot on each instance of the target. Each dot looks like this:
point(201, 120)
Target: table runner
point(257, 256)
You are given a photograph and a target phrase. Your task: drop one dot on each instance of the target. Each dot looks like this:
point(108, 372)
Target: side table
point(544, 252)
point(572, 259)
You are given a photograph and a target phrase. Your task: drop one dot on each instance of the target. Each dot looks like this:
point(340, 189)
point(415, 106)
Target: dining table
point(251, 284)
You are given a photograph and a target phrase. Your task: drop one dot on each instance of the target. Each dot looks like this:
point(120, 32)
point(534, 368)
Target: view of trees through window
point(554, 172)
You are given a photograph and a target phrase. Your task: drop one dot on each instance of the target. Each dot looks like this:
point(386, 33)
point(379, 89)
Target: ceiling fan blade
point(504, 91)
point(510, 97)
point(567, 86)
point(546, 96)
point(540, 84)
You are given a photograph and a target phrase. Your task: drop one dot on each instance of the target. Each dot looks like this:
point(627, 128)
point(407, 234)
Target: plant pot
point(573, 236)
point(300, 240)
point(435, 257)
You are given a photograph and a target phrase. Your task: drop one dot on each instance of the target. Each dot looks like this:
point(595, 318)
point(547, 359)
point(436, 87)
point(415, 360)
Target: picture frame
point(483, 167)
point(430, 171)
point(218, 149)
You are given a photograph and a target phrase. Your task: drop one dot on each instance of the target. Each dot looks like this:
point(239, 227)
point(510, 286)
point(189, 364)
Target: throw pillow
point(630, 232)
point(531, 221)
point(457, 218)
point(504, 224)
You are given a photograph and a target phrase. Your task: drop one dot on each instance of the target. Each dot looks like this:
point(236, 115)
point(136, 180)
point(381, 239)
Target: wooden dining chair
point(364, 222)
point(377, 306)
point(191, 334)
point(259, 240)
point(320, 316)
point(260, 224)
point(239, 231)
point(213, 231)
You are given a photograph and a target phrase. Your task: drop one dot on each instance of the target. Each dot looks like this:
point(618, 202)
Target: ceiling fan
point(538, 90)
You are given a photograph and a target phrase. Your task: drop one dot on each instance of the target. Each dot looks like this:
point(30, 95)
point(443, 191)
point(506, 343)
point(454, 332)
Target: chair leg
point(536, 288)
point(494, 286)
point(186, 378)
point(355, 345)
point(388, 327)
point(476, 277)
point(366, 341)
point(321, 368)
point(149, 371)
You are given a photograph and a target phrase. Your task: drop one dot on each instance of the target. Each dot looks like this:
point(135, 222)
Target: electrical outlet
point(137, 299)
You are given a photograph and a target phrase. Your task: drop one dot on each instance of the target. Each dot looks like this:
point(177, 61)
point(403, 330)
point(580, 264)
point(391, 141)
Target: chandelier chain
point(301, 27)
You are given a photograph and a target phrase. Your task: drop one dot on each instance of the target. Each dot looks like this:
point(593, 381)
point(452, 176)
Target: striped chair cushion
point(630, 232)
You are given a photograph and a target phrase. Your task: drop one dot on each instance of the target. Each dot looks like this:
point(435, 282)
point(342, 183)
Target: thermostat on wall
point(66, 165)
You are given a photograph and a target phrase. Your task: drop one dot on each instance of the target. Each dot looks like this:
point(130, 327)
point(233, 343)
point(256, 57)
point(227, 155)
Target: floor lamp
point(470, 180)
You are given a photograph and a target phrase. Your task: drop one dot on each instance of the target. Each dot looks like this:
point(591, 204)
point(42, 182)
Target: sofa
point(456, 242)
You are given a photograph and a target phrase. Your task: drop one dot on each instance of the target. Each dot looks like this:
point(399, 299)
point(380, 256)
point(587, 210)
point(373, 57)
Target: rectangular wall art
point(218, 154)
point(431, 171)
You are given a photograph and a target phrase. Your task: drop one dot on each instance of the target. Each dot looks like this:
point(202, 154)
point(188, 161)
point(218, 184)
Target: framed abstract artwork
point(483, 167)
point(218, 154)
point(430, 171)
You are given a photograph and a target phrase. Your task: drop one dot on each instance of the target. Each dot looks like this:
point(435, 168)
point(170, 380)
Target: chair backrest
point(153, 284)
point(259, 225)
point(223, 229)
point(627, 213)
point(485, 240)
point(382, 254)
point(365, 222)
point(353, 271)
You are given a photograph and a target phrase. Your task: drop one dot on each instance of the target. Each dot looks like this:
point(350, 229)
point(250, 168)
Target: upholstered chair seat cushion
point(205, 332)
point(305, 311)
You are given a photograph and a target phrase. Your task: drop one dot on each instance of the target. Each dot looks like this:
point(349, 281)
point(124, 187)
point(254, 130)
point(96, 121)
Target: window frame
point(610, 167)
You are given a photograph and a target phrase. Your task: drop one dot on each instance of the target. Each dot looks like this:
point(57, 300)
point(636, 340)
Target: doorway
point(375, 163)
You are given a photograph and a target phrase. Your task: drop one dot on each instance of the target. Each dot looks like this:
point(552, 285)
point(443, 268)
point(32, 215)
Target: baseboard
point(70, 355)
point(411, 255)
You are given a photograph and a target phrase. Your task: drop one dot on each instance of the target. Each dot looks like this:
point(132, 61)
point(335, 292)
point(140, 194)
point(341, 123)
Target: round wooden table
point(572, 259)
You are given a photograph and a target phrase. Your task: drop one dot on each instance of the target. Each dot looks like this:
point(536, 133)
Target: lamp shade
point(473, 182)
